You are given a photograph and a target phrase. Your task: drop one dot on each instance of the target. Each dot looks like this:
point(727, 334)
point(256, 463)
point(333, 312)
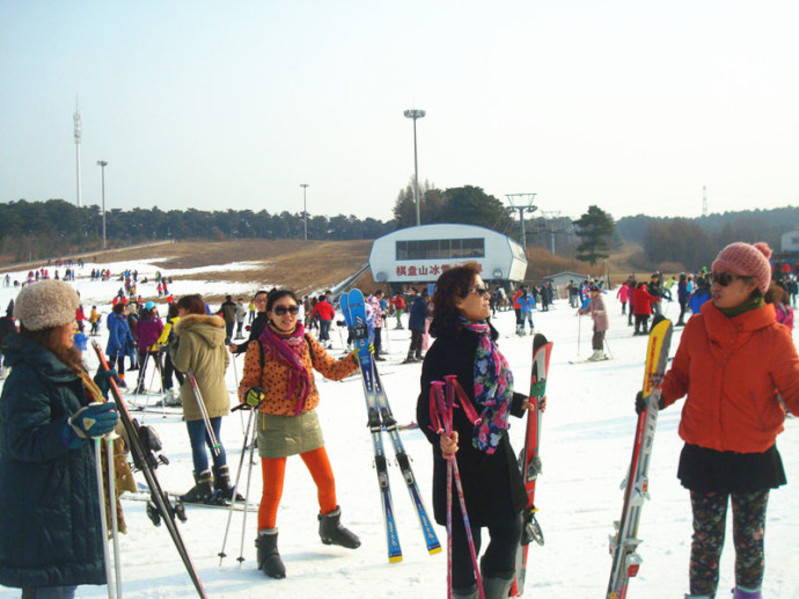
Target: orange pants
point(274, 472)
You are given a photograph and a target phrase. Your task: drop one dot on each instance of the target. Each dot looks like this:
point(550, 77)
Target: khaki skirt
point(282, 436)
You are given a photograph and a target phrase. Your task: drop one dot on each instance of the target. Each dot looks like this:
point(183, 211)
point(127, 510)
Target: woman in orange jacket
point(734, 362)
point(278, 380)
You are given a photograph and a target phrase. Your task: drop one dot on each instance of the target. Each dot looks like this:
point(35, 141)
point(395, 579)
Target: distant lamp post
point(414, 114)
point(103, 164)
point(305, 187)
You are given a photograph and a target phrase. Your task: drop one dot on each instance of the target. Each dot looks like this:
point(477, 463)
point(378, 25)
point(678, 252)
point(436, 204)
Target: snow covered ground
point(586, 444)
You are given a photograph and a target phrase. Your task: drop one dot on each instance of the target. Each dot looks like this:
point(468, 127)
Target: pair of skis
point(380, 418)
point(624, 542)
point(529, 460)
point(143, 443)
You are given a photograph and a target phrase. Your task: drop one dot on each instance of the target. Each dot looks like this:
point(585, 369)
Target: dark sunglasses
point(281, 310)
point(478, 290)
point(724, 278)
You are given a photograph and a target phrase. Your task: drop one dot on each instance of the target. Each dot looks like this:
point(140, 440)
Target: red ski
point(529, 460)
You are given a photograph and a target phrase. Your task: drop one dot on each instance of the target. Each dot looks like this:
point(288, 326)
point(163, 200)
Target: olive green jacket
point(199, 346)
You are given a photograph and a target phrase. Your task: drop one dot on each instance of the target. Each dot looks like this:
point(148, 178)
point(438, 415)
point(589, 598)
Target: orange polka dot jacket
point(288, 393)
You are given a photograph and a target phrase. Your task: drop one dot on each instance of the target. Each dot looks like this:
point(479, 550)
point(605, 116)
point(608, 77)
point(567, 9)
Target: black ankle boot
point(333, 533)
point(202, 491)
point(222, 485)
point(269, 561)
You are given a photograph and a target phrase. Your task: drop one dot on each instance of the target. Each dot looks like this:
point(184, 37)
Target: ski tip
point(393, 559)
point(434, 550)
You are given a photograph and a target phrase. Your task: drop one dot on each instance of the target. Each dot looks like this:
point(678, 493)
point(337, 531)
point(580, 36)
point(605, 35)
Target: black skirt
point(709, 471)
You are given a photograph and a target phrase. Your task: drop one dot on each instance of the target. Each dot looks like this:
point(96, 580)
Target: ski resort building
point(421, 254)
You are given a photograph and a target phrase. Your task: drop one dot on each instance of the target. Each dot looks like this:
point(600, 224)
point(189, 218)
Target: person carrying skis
point(199, 346)
point(49, 410)
point(495, 494)
point(278, 381)
point(734, 362)
point(596, 308)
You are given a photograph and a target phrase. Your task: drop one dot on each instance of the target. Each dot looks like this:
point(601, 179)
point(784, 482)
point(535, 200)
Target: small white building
point(789, 242)
point(421, 254)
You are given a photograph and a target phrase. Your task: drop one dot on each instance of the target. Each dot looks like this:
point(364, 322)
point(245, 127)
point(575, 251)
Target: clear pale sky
point(633, 106)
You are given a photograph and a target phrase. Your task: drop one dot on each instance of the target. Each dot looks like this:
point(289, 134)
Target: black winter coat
point(492, 484)
point(49, 508)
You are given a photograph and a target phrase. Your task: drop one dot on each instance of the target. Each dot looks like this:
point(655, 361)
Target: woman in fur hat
point(733, 364)
point(199, 346)
point(51, 539)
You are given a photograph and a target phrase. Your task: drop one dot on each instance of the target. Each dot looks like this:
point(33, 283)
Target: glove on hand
point(640, 404)
point(254, 396)
point(94, 420)
point(102, 380)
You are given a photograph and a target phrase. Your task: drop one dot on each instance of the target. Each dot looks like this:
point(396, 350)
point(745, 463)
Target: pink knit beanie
point(747, 261)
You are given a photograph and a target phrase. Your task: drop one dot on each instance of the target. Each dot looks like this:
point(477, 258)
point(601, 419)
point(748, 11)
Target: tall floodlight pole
point(523, 202)
point(415, 113)
point(76, 119)
point(305, 187)
point(103, 164)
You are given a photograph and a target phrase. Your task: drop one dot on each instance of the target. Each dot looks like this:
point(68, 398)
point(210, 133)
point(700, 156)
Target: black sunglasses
point(725, 278)
point(281, 310)
point(478, 290)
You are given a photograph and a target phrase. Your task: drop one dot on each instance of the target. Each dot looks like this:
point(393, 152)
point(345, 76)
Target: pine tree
point(595, 228)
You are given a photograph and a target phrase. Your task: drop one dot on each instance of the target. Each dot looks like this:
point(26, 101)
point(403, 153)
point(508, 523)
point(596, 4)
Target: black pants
point(641, 322)
point(499, 560)
point(378, 343)
point(416, 344)
point(168, 371)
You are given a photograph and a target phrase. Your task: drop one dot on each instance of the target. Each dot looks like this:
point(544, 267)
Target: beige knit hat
point(48, 303)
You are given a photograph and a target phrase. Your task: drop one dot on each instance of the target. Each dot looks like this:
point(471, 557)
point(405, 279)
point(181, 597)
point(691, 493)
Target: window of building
point(440, 249)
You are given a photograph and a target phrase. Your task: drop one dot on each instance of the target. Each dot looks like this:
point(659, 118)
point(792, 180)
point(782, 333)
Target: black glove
point(640, 404)
point(102, 380)
point(254, 396)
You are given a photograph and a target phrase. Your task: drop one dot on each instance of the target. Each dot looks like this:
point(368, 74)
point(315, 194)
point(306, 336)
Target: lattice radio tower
point(76, 119)
point(523, 202)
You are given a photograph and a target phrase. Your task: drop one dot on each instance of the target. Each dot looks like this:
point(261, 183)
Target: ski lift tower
point(523, 202)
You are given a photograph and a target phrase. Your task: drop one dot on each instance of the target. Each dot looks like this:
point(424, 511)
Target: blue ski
point(355, 314)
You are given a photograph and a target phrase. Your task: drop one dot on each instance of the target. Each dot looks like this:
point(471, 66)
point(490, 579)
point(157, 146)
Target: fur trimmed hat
point(48, 303)
point(747, 261)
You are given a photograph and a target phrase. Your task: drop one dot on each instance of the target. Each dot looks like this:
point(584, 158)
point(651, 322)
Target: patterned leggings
point(748, 525)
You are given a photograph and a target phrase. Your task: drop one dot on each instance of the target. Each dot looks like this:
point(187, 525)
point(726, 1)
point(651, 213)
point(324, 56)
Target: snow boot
point(495, 587)
point(202, 491)
point(121, 382)
point(597, 356)
point(466, 593)
point(222, 485)
point(269, 561)
point(333, 533)
point(172, 399)
point(739, 593)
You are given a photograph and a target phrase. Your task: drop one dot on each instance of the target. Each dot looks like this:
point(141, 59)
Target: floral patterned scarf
point(287, 349)
point(493, 388)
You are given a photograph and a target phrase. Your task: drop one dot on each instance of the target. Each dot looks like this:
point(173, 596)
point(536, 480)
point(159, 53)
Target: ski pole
point(579, 334)
point(236, 379)
point(607, 347)
point(216, 448)
point(112, 496)
point(240, 559)
point(222, 553)
point(450, 405)
point(98, 464)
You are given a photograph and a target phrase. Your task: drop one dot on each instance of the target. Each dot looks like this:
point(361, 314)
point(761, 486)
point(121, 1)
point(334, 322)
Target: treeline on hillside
point(34, 230)
point(694, 242)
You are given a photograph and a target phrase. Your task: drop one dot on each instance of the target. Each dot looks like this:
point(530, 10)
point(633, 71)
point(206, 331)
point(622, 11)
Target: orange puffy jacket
point(732, 370)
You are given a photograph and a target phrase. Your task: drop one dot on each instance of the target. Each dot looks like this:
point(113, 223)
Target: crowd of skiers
point(51, 408)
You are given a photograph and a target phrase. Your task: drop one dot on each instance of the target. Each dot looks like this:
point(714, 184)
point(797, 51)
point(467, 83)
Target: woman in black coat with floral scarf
point(492, 483)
